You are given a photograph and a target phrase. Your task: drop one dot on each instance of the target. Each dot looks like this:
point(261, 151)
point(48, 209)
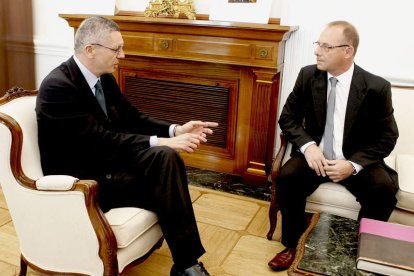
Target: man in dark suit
point(347, 145)
point(88, 129)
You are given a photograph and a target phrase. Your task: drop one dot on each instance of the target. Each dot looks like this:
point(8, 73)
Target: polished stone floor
point(332, 246)
point(226, 183)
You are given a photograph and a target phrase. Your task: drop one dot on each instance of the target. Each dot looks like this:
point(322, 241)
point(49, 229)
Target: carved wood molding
point(16, 92)
point(17, 136)
point(246, 44)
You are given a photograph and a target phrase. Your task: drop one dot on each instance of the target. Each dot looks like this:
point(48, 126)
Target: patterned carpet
point(226, 183)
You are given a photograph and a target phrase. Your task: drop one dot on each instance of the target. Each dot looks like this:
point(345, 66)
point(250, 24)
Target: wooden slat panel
point(180, 102)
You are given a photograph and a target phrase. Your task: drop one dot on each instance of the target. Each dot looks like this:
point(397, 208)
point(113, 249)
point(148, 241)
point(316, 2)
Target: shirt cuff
point(305, 146)
point(153, 141)
point(171, 130)
point(357, 167)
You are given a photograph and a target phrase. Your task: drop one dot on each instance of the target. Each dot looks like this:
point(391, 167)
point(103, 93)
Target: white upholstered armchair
point(59, 225)
point(334, 198)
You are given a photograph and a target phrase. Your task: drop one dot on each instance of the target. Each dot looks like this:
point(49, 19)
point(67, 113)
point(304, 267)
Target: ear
point(89, 51)
point(349, 52)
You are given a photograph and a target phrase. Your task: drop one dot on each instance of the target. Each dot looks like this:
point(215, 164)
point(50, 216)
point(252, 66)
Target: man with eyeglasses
point(88, 129)
point(339, 119)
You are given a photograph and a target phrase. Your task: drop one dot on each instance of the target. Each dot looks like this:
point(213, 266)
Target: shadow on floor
point(226, 183)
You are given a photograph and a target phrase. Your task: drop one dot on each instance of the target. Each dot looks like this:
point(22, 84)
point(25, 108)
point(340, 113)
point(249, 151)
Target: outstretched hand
point(188, 136)
point(196, 127)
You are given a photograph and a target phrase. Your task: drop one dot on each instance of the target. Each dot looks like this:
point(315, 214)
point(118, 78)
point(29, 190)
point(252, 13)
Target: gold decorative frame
point(171, 8)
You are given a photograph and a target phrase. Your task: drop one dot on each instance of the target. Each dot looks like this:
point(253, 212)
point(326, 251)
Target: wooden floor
point(232, 228)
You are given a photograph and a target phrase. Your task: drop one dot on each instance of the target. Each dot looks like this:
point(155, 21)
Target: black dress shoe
point(283, 260)
point(195, 270)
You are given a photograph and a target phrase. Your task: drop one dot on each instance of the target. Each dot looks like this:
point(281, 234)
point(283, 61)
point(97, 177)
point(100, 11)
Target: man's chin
point(320, 67)
point(111, 70)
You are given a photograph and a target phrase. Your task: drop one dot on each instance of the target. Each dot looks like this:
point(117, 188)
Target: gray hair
point(94, 30)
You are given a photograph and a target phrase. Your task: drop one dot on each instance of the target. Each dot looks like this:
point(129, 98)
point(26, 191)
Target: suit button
point(108, 176)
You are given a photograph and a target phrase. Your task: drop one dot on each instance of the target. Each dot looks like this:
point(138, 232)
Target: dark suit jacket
point(76, 137)
point(370, 131)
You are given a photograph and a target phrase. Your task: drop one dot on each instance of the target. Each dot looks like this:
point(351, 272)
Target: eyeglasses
point(116, 51)
point(327, 47)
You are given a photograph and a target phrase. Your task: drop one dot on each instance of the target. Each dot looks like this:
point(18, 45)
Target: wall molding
point(401, 83)
point(403, 86)
point(47, 47)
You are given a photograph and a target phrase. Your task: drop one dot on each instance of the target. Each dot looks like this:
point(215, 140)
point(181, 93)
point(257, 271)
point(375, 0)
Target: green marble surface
point(331, 247)
point(227, 183)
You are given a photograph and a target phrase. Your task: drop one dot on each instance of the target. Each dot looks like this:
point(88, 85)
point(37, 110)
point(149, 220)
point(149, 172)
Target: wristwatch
point(354, 171)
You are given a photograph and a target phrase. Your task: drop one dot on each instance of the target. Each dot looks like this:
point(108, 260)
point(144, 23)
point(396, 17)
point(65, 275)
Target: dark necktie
point(100, 97)
point(329, 126)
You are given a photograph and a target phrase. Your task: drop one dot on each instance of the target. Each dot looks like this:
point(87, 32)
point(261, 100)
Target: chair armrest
point(68, 188)
point(278, 160)
point(56, 182)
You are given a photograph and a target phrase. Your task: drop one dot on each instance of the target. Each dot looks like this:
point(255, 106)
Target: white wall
point(386, 46)
point(385, 29)
point(53, 38)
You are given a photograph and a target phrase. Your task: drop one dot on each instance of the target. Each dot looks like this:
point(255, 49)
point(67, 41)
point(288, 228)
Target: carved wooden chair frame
point(104, 233)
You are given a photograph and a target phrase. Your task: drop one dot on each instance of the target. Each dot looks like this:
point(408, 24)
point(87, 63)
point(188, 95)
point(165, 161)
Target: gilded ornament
point(170, 8)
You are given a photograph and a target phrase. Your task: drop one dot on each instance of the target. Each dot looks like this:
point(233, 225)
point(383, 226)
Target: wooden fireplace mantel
point(207, 70)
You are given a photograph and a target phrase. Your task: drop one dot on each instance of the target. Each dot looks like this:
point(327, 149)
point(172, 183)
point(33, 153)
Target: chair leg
point(273, 209)
point(23, 266)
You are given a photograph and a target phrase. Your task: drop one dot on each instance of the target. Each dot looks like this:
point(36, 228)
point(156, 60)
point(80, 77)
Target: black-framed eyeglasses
point(116, 51)
point(327, 47)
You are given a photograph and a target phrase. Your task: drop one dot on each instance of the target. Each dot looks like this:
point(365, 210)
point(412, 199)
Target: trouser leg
point(295, 182)
point(157, 181)
point(375, 190)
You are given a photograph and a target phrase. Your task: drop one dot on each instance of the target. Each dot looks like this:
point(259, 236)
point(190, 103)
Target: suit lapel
point(77, 77)
point(319, 89)
point(357, 94)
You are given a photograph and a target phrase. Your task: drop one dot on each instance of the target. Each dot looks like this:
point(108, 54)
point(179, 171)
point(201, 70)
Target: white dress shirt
point(341, 99)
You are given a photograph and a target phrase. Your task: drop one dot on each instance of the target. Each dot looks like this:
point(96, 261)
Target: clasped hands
point(188, 136)
point(336, 170)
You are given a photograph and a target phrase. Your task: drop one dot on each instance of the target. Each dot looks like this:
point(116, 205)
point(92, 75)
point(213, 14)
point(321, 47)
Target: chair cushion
point(130, 223)
point(390, 161)
point(405, 168)
point(334, 195)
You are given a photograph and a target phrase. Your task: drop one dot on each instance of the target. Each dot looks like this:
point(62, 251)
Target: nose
point(317, 50)
point(121, 53)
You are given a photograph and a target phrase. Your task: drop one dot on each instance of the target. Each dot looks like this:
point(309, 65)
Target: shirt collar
point(346, 77)
point(91, 79)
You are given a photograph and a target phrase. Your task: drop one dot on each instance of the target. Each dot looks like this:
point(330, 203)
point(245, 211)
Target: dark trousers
point(373, 187)
point(155, 179)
